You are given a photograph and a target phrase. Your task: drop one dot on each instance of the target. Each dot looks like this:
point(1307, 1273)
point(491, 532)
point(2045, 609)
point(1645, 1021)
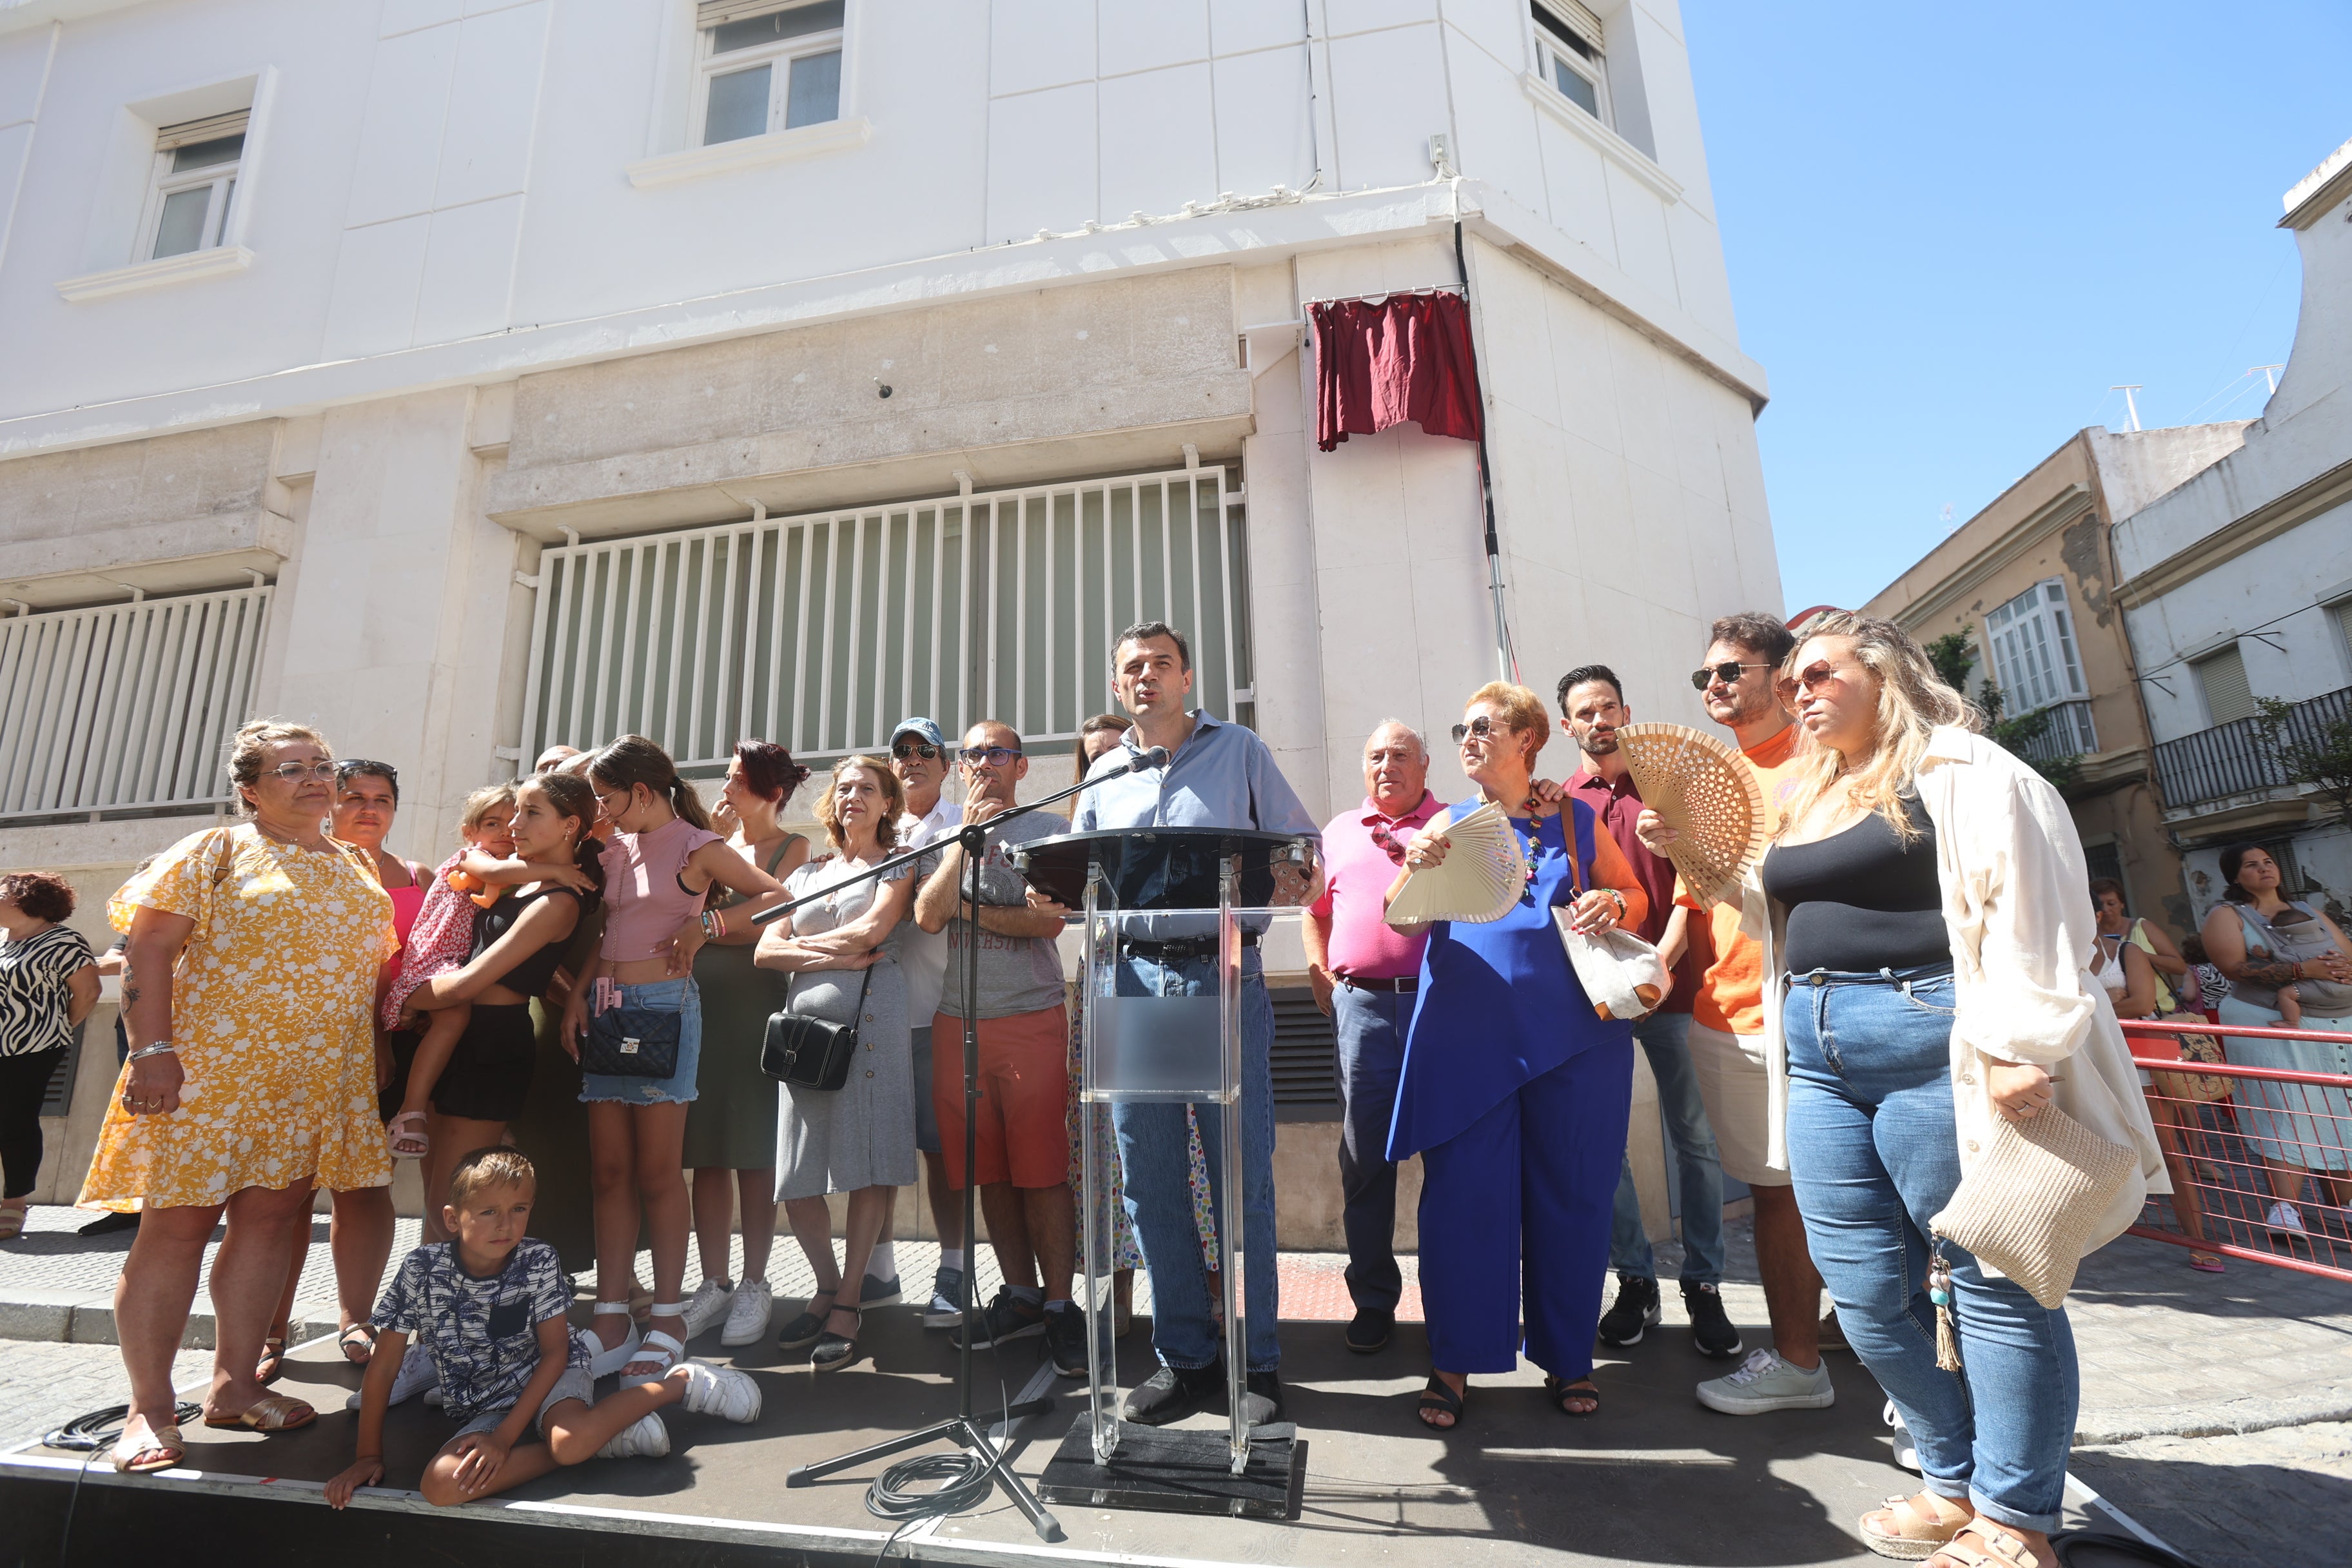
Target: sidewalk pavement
point(2216, 1410)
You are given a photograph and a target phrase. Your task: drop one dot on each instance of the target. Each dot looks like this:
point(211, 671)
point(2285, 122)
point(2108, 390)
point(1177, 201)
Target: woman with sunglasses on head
point(1928, 945)
point(251, 1078)
point(1515, 1092)
point(660, 865)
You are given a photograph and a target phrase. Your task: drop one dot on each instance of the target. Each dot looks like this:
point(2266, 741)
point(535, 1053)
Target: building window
point(194, 184)
point(2340, 613)
point(2035, 659)
point(1568, 52)
point(2221, 677)
point(820, 632)
point(768, 68)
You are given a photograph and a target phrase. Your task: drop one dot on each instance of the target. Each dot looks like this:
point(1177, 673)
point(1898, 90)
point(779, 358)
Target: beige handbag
point(1622, 975)
point(2028, 1209)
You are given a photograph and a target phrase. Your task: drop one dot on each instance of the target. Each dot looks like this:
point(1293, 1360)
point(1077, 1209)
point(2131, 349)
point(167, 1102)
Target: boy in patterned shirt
point(489, 1309)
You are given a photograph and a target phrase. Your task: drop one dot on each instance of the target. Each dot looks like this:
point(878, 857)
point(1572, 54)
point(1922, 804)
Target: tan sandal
point(270, 1413)
point(1917, 1532)
point(2001, 1547)
point(165, 1452)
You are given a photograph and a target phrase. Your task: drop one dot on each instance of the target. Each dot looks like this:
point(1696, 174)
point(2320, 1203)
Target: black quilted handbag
point(810, 1053)
point(631, 1042)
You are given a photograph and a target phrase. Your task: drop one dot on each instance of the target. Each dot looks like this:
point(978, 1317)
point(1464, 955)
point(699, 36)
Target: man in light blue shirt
point(1217, 776)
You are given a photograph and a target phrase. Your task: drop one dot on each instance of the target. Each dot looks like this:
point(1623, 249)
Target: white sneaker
point(644, 1438)
point(416, 1373)
point(2285, 1219)
point(719, 1390)
point(1766, 1382)
point(1905, 1454)
point(748, 1311)
point(707, 1306)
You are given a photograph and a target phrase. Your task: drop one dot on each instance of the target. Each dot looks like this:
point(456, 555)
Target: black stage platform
point(1654, 1479)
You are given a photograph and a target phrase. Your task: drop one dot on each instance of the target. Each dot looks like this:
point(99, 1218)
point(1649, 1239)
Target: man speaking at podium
point(1216, 776)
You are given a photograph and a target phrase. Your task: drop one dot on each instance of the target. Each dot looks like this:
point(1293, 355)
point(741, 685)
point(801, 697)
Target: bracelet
point(1620, 901)
point(159, 1049)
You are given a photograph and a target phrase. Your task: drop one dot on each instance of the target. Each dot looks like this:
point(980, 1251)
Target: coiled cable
point(90, 1432)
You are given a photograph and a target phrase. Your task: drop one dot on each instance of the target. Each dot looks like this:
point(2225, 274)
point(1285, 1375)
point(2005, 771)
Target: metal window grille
point(1305, 1058)
point(57, 1099)
point(821, 632)
point(122, 706)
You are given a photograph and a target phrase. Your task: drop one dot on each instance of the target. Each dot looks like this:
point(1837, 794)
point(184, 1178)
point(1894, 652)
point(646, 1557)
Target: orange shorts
point(1024, 1092)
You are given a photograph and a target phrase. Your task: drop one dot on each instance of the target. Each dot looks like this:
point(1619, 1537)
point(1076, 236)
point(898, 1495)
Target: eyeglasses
point(1388, 843)
point(1726, 673)
point(1810, 678)
point(915, 749)
point(295, 773)
point(605, 799)
point(1481, 727)
point(989, 756)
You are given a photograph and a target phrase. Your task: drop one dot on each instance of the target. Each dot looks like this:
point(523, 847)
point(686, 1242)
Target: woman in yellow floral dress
point(248, 996)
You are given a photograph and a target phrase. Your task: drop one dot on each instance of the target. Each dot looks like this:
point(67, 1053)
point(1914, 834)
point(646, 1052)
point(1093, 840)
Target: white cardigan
point(2017, 902)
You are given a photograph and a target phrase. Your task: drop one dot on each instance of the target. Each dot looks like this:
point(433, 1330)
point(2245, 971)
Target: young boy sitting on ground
point(489, 1309)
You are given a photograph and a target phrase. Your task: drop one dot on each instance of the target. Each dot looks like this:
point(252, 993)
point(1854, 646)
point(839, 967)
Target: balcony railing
point(2236, 758)
point(2068, 734)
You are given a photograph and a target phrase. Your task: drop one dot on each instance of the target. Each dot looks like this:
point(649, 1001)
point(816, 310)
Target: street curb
point(74, 1317)
point(2233, 1418)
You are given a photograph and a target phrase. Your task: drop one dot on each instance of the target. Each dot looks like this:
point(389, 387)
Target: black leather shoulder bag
point(810, 1053)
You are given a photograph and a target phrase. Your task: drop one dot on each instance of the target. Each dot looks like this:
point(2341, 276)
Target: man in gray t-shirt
point(1023, 1030)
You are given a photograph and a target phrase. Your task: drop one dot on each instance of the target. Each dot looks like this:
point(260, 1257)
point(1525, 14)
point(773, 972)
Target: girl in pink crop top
point(647, 890)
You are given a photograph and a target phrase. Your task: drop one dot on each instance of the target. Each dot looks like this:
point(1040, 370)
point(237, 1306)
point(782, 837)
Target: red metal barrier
point(2261, 1157)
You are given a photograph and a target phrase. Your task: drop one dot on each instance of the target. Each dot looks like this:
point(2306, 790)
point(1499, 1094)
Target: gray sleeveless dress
point(862, 1134)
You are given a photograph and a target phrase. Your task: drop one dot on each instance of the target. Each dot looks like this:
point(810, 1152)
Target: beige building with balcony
point(2031, 580)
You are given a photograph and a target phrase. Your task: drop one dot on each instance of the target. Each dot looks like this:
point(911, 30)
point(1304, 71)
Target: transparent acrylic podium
point(1153, 885)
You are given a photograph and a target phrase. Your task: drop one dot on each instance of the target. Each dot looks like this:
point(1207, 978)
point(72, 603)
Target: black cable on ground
point(87, 1435)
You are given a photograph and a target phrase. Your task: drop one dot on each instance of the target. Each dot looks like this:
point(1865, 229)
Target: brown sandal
point(2001, 1547)
point(163, 1453)
point(270, 1413)
point(1919, 1532)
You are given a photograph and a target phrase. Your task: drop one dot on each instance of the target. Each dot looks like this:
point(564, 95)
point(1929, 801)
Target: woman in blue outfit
point(1513, 1093)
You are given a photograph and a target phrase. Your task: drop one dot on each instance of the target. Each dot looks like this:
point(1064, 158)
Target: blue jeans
point(1691, 1140)
point(1875, 1151)
point(1371, 1025)
point(1155, 1153)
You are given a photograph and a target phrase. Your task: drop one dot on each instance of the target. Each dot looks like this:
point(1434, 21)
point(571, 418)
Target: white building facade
point(2237, 586)
point(464, 377)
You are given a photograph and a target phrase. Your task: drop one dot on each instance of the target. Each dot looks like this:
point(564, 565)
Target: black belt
point(1182, 950)
point(1402, 985)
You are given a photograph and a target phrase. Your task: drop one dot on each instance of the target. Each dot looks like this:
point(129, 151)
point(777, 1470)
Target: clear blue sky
point(1951, 227)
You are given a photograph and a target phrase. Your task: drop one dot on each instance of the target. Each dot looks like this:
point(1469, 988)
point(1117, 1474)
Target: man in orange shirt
point(1726, 1043)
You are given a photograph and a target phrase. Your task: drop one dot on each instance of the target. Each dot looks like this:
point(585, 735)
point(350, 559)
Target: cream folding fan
point(1706, 790)
point(1484, 872)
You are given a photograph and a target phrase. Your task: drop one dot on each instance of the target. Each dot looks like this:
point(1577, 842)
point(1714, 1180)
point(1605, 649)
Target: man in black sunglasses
point(918, 756)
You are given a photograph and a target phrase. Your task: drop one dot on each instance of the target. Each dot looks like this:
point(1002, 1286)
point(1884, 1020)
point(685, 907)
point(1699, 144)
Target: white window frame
point(221, 179)
point(779, 57)
point(1552, 55)
point(2041, 618)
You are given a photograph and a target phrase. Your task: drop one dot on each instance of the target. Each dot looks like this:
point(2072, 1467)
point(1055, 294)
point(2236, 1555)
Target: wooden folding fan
point(1709, 793)
point(1484, 872)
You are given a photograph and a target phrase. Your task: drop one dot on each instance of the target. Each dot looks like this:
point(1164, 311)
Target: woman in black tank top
point(518, 942)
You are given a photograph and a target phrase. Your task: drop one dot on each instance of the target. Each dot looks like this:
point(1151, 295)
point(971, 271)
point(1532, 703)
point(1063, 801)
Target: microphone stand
point(963, 1428)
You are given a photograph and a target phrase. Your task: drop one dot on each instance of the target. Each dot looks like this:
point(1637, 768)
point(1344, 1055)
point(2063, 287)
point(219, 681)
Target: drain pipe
point(1506, 657)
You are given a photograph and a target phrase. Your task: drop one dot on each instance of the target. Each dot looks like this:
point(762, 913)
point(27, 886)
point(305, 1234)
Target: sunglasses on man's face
point(1481, 727)
point(989, 756)
point(1809, 680)
point(1726, 673)
point(908, 749)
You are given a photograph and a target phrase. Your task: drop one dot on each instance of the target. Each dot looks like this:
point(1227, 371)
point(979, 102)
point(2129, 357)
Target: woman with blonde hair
point(842, 951)
point(1928, 923)
point(1515, 1092)
point(251, 1078)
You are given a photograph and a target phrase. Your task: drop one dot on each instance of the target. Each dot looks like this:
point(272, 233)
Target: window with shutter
point(767, 67)
point(2342, 613)
point(1567, 54)
point(194, 182)
point(2221, 677)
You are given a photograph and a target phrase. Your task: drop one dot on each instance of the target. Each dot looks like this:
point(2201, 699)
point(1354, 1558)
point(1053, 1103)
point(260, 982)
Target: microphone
point(1155, 758)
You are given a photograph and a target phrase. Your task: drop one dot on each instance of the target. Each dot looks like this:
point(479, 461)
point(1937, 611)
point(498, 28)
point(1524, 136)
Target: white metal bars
point(125, 706)
point(821, 632)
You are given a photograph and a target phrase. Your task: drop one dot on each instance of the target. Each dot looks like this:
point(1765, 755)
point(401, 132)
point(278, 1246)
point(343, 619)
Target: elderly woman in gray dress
point(860, 1138)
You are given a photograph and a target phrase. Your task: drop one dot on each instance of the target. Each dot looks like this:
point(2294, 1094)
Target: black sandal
point(1560, 1388)
point(834, 1350)
point(809, 1326)
point(1437, 1397)
point(366, 1332)
point(272, 1364)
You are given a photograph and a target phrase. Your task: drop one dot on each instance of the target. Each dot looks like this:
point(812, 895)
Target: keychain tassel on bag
point(1939, 1291)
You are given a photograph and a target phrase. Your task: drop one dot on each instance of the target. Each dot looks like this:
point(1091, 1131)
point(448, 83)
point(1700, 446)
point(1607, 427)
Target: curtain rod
point(1384, 294)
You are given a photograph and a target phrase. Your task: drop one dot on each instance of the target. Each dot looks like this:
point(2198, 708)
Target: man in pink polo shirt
point(1364, 976)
